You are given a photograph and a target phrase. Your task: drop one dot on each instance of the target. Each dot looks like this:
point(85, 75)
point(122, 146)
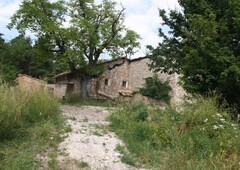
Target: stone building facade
point(66, 85)
point(121, 77)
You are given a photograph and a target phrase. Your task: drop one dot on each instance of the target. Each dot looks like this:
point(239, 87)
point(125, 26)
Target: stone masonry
point(124, 76)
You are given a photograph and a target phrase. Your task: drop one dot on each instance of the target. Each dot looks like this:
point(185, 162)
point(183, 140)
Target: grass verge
point(202, 136)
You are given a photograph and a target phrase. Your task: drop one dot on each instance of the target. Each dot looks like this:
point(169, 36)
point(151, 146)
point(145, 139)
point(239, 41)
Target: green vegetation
point(20, 55)
point(202, 136)
point(156, 89)
point(77, 101)
point(82, 164)
point(126, 156)
point(201, 45)
point(30, 128)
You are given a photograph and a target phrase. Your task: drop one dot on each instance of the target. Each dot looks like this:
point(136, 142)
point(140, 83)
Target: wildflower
point(221, 126)
point(219, 115)
point(215, 127)
point(206, 120)
point(40, 113)
point(222, 120)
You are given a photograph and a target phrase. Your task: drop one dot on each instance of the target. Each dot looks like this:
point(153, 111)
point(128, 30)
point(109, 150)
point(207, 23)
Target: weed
point(85, 119)
point(121, 149)
point(82, 164)
point(126, 158)
point(101, 129)
point(97, 133)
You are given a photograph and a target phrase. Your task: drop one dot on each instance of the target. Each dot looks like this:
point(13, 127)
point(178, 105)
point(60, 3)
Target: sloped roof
point(66, 73)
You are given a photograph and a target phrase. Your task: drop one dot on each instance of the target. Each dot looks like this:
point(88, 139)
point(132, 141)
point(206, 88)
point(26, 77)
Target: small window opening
point(106, 82)
point(124, 84)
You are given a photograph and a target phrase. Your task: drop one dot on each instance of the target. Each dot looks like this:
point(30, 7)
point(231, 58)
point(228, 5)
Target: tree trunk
point(84, 92)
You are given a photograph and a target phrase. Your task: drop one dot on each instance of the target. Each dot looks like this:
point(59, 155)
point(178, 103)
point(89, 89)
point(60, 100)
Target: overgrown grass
point(30, 127)
point(202, 136)
point(77, 101)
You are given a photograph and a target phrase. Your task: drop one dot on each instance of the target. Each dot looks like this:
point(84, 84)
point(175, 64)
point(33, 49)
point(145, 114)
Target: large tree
point(90, 30)
point(203, 44)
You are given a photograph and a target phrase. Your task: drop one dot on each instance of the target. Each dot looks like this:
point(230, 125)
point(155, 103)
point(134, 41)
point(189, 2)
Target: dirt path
point(89, 145)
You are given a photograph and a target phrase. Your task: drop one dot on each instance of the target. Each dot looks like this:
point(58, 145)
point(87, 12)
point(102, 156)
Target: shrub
point(156, 89)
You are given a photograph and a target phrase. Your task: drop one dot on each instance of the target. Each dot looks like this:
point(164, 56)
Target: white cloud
point(141, 16)
point(7, 8)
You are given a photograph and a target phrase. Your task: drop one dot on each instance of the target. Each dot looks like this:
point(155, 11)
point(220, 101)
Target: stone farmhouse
point(121, 77)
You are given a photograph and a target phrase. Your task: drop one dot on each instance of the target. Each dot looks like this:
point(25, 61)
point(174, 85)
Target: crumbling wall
point(63, 83)
point(139, 71)
point(30, 83)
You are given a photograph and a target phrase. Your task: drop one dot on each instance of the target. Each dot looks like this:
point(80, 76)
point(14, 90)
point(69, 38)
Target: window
point(124, 84)
point(106, 82)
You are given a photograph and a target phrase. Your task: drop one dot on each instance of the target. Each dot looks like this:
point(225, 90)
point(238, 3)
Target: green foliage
point(20, 56)
point(156, 89)
point(202, 136)
point(201, 44)
point(20, 108)
point(93, 29)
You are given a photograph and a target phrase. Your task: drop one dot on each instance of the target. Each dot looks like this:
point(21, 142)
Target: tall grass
point(202, 136)
point(20, 108)
point(30, 128)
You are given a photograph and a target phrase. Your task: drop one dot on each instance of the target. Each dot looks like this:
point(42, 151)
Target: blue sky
point(141, 16)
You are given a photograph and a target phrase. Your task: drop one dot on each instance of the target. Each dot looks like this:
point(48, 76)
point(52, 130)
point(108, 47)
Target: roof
point(62, 74)
point(113, 60)
point(104, 62)
point(137, 59)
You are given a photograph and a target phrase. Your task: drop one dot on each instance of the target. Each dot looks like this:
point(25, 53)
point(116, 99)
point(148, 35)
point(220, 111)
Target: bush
point(20, 108)
point(156, 89)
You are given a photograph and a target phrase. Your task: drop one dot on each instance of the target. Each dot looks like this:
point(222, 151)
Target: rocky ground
point(89, 145)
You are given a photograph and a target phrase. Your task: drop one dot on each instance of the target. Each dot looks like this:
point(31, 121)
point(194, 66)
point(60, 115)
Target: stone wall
point(111, 81)
point(67, 86)
point(140, 71)
point(133, 73)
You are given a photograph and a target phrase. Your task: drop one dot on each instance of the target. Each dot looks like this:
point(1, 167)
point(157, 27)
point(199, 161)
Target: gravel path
point(89, 145)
